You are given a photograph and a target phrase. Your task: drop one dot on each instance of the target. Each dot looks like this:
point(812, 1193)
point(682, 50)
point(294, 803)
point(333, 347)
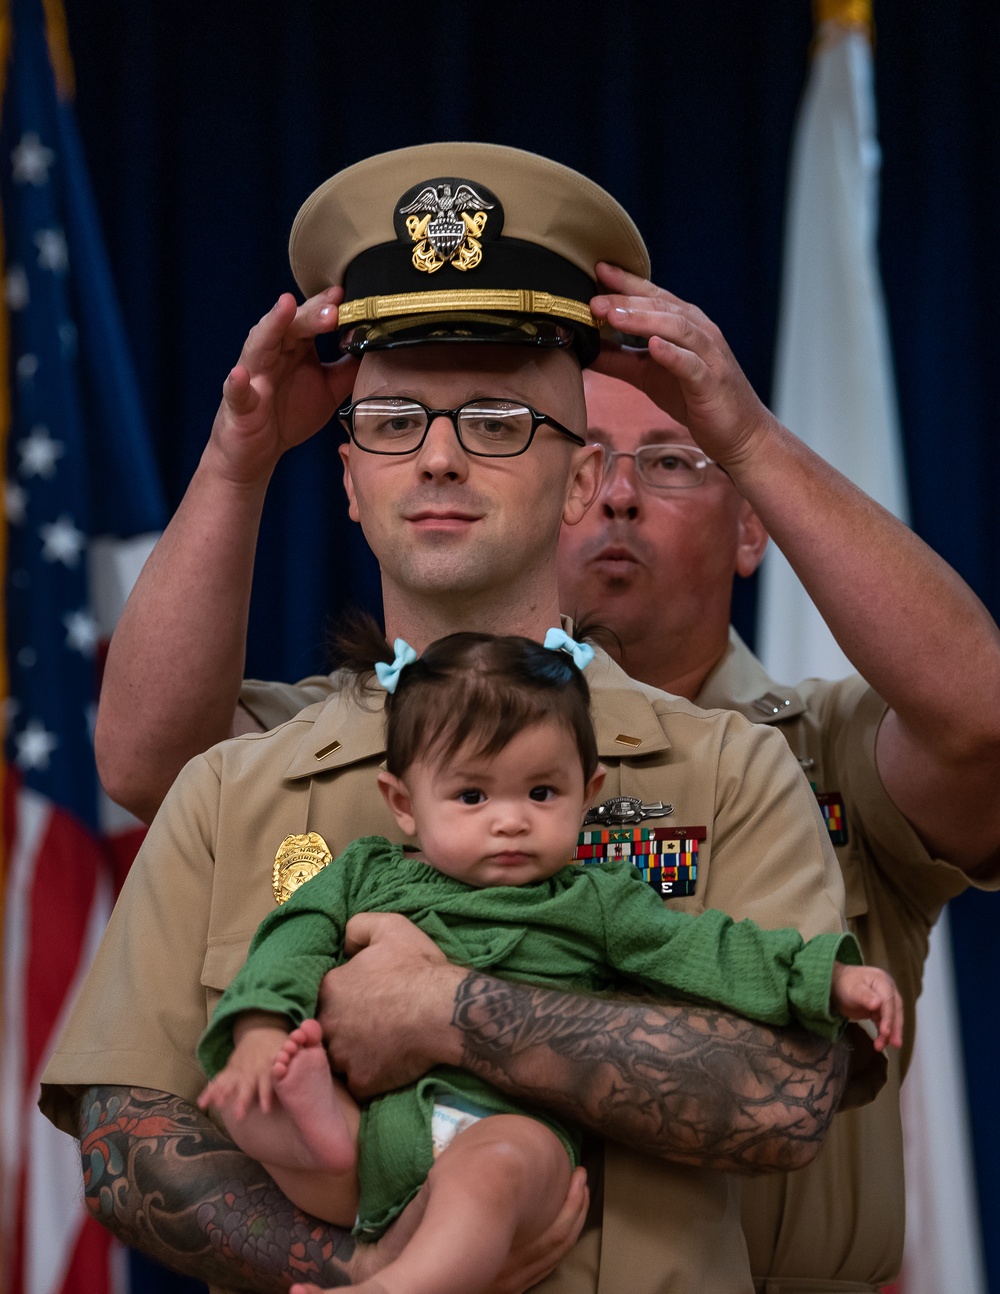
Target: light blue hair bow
point(559, 640)
point(388, 675)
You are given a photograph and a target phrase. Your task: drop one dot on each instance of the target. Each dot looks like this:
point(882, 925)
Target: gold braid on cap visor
point(512, 301)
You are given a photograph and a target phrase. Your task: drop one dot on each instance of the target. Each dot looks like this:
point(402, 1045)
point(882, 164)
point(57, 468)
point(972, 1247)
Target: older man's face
point(643, 556)
point(440, 520)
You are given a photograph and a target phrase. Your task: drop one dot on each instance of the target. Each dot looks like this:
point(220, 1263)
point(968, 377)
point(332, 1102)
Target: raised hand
point(279, 394)
point(688, 368)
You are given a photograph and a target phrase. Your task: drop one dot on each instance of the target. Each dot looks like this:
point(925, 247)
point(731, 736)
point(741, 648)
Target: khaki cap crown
point(545, 228)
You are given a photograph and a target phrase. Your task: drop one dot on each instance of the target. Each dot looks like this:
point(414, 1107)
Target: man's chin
point(447, 576)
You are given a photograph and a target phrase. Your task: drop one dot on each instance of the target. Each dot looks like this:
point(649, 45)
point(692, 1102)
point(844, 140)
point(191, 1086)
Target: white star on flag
point(62, 542)
point(39, 453)
point(15, 500)
point(31, 160)
point(27, 367)
point(34, 746)
point(16, 289)
point(81, 632)
point(53, 254)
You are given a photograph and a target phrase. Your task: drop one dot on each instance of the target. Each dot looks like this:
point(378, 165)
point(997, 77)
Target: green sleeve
point(294, 947)
point(773, 976)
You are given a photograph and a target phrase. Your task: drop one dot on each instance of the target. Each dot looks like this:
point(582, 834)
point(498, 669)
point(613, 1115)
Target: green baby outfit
point(591, 928)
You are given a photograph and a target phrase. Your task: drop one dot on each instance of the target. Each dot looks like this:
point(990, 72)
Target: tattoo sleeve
point(164, 1178)
point(689, 1083)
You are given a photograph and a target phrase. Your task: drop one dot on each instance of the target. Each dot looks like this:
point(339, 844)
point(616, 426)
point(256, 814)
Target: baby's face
point(503, 819)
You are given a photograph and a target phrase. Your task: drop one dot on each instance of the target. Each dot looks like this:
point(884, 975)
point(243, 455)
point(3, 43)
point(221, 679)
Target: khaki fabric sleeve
point(142, 1007)
point(274, 703)
point(851, 717)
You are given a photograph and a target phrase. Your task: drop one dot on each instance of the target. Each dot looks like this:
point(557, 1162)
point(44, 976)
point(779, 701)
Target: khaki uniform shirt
point(838, 1224)
point(202, 883)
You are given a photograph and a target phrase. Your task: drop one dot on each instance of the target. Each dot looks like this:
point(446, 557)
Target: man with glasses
point(466, 455)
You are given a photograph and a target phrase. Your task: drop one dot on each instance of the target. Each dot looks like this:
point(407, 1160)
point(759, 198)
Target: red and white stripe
point(61, 884)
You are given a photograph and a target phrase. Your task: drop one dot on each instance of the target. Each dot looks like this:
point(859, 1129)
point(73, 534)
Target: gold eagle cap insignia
point(447, 233)
point(299, 859)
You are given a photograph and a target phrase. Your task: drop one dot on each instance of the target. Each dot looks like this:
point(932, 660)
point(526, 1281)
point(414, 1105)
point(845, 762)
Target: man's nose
point(620, 497)
point(441, 455)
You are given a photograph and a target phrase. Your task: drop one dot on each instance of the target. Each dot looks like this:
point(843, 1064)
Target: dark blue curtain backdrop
point(206, 126)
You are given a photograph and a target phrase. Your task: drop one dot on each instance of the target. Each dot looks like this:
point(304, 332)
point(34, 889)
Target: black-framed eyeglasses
point(664, 467)
point(488, 428)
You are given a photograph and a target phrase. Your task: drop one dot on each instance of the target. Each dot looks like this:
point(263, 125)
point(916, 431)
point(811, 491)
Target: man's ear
point(352, 501)
point(593, 788)
point(397, 797)
point(586, 475)
point(751, 540)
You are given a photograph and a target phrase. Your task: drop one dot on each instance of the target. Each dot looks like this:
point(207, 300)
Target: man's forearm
point(691, 1084)
point(165, 1179)
point(175, 661)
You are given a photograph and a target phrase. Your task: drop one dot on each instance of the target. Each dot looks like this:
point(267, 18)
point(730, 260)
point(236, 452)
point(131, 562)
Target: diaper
point(452, 1116)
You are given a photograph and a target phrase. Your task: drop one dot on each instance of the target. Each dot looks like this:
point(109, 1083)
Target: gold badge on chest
point(298, 859)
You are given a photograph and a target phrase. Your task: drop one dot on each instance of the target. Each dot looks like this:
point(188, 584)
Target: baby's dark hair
point(471, 687)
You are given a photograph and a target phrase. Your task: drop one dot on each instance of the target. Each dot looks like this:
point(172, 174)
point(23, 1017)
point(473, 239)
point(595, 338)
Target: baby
point(491, 764)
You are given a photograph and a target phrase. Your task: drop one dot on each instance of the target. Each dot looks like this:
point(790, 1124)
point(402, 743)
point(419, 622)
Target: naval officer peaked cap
point(462, 242)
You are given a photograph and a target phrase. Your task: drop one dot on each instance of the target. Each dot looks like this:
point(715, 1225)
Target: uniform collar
point(625, 720)
point(740, 682)
point(348, 729)
point(345, 729)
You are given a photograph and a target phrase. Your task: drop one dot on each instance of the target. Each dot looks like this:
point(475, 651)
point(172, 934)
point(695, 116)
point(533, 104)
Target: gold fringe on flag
point(849, 13)
point(835, 18)
point(57, 34)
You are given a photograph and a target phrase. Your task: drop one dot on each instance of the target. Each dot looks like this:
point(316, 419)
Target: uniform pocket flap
point(223, 958)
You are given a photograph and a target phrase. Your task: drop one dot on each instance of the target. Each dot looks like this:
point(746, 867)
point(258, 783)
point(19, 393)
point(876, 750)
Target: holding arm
point(896, 609)
point(691, 1084)
point(175, 663)
point(164, 1178)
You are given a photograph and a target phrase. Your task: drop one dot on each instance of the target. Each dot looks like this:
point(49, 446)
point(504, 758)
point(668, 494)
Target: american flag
point(81, 494)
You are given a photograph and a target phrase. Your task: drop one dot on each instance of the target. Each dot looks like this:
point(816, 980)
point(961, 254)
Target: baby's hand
point(247, 1075)
point(867, 993)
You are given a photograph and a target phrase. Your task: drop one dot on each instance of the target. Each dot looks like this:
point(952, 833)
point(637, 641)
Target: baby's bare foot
point(308, 1034)
point(320, 1111)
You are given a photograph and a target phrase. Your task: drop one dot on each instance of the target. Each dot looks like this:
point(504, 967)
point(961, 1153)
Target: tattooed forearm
point(162, 1177)
point(689, 1083)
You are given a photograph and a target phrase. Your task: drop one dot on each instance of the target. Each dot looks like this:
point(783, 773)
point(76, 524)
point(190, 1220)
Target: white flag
point(834, 387)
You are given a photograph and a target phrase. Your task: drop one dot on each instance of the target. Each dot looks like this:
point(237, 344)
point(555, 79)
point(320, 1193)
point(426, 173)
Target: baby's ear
point(397, 797)
point(593, 788)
